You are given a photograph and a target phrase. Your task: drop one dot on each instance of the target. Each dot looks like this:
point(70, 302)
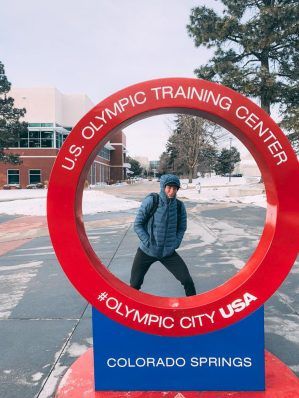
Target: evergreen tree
point(10, 126)
point(207, 160)
point(290, 101)
point(227, 160)
point(135, 166)
point(256, 51)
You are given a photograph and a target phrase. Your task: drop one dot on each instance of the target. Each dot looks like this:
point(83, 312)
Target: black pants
point(174, 263)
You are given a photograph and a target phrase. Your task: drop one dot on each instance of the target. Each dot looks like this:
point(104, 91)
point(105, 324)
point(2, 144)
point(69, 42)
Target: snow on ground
point(13, 194)
point(216, 181)
point(215, 189)
point(214, 194)
point(14, 281)
point(98, 201)
point(33, 202)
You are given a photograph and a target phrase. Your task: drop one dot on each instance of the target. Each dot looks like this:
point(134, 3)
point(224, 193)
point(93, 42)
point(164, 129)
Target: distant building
point(248, 166)
point(154, 164)
point(51, 116)
point(154, 167)
point(110, 164)
point(144, 162)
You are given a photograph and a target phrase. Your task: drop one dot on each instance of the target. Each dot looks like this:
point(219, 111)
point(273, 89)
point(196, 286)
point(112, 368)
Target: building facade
point(144, 162)
point(51, 116)
point(109, 165)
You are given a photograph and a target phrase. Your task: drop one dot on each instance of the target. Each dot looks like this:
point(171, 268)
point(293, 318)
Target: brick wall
point(37, 159)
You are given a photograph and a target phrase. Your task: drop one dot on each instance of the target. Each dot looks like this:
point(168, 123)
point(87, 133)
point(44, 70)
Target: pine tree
point(207, 160)
point(227, 160)
point(10, 126)
point(256, 51)
point(135, 166)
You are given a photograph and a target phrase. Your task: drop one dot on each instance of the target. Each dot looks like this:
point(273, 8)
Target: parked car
point(38, 185)
point(12, 186)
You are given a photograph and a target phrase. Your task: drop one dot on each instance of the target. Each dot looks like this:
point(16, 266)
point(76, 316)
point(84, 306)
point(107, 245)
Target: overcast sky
point(97, 47)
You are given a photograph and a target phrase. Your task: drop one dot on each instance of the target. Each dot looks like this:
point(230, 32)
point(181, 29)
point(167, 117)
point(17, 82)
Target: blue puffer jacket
point(160, 236)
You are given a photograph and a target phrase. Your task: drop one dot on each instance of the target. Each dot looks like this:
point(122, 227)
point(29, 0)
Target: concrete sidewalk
point(16, 231)
point(45, 324)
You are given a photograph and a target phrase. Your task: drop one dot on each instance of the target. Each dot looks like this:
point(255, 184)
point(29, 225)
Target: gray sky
point(100, 46)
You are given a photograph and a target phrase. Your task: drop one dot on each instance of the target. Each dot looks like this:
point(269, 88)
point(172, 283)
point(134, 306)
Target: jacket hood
point(167, 179)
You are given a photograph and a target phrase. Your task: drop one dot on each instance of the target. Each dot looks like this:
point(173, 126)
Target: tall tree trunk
point(190, 174)
point(265, 100)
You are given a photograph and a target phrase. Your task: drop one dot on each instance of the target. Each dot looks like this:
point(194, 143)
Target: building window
point(105, 153)
point(46, 139)
point(13, 177)
point(34, 139)
point(40, 124)
point(40, 139)
point(60, 138)
point(24, 140)
point(34, 176)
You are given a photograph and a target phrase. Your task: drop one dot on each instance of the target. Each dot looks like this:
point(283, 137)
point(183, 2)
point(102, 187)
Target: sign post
point(218, 312)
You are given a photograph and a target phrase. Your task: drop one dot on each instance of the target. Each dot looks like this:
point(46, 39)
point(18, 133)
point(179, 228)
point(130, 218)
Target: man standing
point(160, 225)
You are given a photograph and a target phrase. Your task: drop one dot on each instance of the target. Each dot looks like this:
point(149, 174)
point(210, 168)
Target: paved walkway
point(17, 231)
point(45, 324)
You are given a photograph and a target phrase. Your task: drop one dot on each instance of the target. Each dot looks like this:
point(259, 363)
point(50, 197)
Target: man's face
point(170, 191)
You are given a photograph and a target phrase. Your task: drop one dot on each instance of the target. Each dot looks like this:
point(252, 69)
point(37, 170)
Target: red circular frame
point(266, 268)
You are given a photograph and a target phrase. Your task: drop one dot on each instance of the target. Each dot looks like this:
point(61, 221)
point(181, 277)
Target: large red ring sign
point(240, 295)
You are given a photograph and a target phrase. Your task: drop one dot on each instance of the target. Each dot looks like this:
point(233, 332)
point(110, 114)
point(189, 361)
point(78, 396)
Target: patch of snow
point(237, 263)
point(65, 379)
point(14, 284)
point(295, 368)
point(37, 376)
point(285, 327)
point(35, 248)
point(23, 382)
point(89, 340)
point(218, 189)
point(32, 207)
point(32, 254)
point(198, 231)
point(214, 181)
point(17, 194)
point(94, 201)
point(76, 350)
point(50, 385)
point(20, 266)
point(97, 202)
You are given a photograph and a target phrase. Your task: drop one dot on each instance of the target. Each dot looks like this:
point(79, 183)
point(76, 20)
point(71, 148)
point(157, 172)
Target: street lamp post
point(230, 159)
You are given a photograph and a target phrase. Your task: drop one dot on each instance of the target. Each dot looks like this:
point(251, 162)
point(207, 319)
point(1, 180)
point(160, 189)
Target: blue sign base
point(231, 359)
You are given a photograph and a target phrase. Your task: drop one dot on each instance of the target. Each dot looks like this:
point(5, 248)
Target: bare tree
point(191, 137)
